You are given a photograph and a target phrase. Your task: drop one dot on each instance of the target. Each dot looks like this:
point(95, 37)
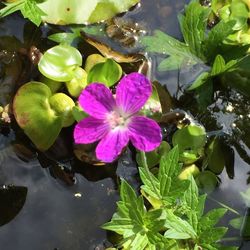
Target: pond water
point(56, 204)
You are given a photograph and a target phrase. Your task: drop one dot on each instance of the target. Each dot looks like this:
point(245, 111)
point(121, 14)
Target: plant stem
point(145, 166)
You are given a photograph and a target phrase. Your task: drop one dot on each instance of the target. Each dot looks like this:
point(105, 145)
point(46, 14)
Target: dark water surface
point(53, 215)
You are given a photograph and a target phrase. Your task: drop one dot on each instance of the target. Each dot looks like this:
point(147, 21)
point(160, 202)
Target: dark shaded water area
point(43, 206)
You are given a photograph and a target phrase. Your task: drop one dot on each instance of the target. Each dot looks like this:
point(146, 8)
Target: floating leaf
point(78, 83)
point(108, 72)
point(60, 63)
point(92, 60)
point(84, 11)
point(40, 114)
point(191, 141)
point(188, 171)
point(207, 181)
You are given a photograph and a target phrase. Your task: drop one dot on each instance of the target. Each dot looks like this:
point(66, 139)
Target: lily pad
point(60, 63)
point(40, 114)
point(81, 12)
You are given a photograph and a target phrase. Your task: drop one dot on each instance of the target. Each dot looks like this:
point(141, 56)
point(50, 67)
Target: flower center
point(116, 120)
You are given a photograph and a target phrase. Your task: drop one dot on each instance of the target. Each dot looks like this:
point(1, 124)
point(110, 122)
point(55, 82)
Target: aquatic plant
point(116, 121)
point(202, 46)
point(174, 219)
point(67, 12)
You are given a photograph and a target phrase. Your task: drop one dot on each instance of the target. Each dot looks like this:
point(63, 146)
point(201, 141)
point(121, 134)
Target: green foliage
point(179, 53)
point(140, 228)
point(152, 107)
point(175, 218)
point(108, 73)
point(68, 12)
point(75, 34)
point(153, 157)
point(238, 11)
point(60, 63)
point(42, 114)
point(191, 141)
point(28, 8)
point(203, 46)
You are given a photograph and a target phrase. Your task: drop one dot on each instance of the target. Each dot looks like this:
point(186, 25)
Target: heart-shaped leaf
point(60, 63)
point(40, 114)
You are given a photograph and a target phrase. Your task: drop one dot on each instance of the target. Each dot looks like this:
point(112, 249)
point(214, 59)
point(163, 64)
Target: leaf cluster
point(200, 46)
point(28, 8)
point(175, 218)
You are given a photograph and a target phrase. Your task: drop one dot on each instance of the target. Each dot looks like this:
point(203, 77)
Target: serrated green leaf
point(178, 228)
point(31, 11)
point(179, 53)
point(169, 164)
point(211, 218)
point(147, 181)
point(178, 188)
point(200, 80)
point(118, 225)
point(211, 236)
point(214, 42)
point(200, 206)
point(139, 242)
point(193, 26)
point(11, 8)
point(134, 204)
point(191, 200)
point(28, 8)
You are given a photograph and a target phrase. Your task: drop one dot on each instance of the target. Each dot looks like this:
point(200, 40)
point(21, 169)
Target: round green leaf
point(78, 83)
point(188, 171)
point(108, 73)
point(60, 62)
point(191, 141)
point(207, 181)
point(92, 60)
point(53, 85)
point(62, 105)
point(82, 12)
point(40, 114)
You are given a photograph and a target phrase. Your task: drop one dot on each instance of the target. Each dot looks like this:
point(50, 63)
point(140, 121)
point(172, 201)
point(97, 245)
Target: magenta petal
point(144, 133)
point(111, 145)
point(90, 130)
point(132, 92)
point(97, 100)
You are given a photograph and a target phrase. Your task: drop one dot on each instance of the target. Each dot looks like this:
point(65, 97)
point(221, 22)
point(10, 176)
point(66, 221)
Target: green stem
point(145, 166)
point(224, 205)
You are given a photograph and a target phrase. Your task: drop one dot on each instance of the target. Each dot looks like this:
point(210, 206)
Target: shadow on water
point(61, 205)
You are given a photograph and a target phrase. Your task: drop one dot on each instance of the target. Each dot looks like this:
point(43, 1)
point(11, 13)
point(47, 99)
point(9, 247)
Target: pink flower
point(116, 121)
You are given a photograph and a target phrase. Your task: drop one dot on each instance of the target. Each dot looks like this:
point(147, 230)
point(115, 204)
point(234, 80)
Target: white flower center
point(115, 119)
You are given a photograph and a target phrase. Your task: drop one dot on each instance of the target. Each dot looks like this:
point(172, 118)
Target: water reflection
point(54, 216)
